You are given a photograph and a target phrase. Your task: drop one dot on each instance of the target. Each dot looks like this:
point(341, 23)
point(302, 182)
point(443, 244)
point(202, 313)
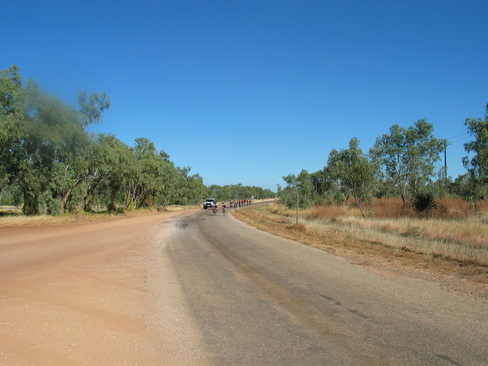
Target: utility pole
point(445, 165)
point(297, 207)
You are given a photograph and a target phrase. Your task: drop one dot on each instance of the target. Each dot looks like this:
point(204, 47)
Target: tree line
point(239, 191)
point(50, 163)
point(400, 164)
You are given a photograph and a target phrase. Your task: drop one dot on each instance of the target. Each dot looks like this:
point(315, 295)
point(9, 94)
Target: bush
point(424, 202)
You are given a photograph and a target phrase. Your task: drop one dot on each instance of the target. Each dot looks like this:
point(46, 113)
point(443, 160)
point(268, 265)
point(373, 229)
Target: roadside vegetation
point(396, 200)
point(50, 164)
point(452, 238)
point(11, 216)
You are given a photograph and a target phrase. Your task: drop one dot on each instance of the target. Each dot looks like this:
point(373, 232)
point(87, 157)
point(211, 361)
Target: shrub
point(424, 202)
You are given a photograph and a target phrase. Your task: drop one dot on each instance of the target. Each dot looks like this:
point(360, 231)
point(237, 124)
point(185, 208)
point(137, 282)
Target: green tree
point(289, 194)
point(12, 122)
point(353, 171)
point(477, 165)
point(95, 170)
point(305, 188)
point(42, 142)
point(119, 163)
point(322, 184)
point(52, 136)
point(195, 188)
point(408, 157)
point(51, 163)
point(469, 189)
point(91, 107)
point(385, 187)
point(299, 188)
point(146, 178)
point(341, 190)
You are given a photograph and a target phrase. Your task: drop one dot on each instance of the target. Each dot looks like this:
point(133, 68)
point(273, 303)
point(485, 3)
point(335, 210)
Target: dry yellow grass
point(12, 217)
point(457, 245)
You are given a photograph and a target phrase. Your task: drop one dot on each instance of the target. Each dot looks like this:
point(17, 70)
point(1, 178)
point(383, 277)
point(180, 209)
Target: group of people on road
point(232, 203)
point(215, 207)
point(239, 203)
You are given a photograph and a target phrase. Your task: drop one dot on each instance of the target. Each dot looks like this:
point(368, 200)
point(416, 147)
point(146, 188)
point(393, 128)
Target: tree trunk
point(359, 204)
point(64, 200)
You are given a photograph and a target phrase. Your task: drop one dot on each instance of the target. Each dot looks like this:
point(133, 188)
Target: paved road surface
point(248, 298)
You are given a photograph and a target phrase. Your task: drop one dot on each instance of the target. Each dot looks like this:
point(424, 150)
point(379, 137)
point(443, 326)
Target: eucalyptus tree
point(258, 192)
point(466, 187)
point(408, 157)
point(53, 136)
point(322, 184)
point(288, 195)
point(236, 191)
point(342, 190)
point(299, 190)
point(195, 188)
point(225, 193)
point(117, 163)
point(354, 173)
point(12, 123)
point(168, 192)
point(305, 188)
point(42, 141)
point(190, 188)
point(144, 180)
point(92, 107)
point(477, 165)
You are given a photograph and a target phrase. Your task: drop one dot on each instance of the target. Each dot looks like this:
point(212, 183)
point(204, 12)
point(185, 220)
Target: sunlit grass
point(457, 232)
point(12, 217)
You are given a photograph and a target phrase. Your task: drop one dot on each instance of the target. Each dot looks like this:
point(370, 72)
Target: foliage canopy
point(49, 163)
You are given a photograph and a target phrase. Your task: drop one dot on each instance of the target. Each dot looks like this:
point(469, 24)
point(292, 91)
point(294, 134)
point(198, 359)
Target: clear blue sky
point(250, 91)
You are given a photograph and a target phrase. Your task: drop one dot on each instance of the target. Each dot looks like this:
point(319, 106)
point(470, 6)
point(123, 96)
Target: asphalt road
point(237, 296)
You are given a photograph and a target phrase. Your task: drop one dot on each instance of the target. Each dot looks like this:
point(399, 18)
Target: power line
point(453, 137)
point(463, 138)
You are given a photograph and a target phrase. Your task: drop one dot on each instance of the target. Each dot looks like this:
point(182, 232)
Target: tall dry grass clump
point(392, 208)
point(454, 208)
point(325, 211)
point(386, 207)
